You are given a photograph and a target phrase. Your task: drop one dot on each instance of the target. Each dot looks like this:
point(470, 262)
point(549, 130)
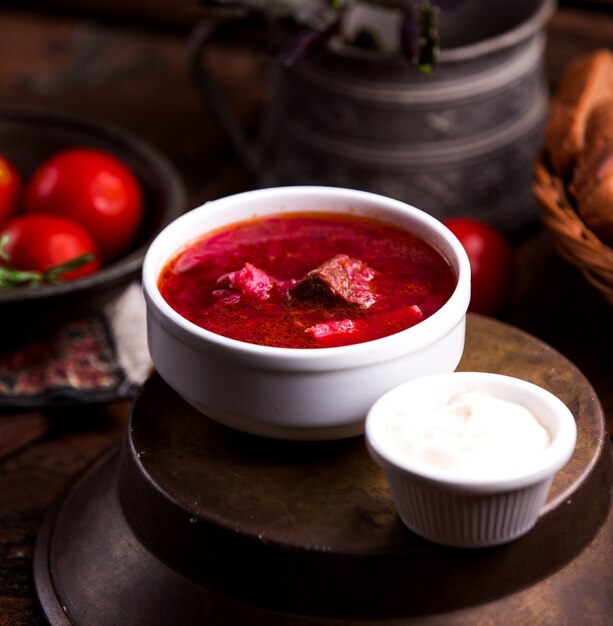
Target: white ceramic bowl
point(485, 510)
point(302, 394)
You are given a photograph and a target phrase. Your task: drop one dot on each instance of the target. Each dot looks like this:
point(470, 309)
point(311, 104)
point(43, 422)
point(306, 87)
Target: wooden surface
point(217, 508)
point(138, 78)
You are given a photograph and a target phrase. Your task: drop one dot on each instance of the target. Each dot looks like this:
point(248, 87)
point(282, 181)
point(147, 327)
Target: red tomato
point(10, 189)
point(40, 242)
point(492, 263)
point(94, 189)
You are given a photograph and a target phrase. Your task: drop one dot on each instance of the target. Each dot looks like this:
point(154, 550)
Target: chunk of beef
point(250, 281)
point(338, 280)
point(327, 329)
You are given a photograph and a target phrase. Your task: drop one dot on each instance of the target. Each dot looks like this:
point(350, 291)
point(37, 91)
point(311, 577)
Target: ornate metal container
point(460, 141)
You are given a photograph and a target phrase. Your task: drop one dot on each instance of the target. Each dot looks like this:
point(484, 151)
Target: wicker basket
point(573, 239)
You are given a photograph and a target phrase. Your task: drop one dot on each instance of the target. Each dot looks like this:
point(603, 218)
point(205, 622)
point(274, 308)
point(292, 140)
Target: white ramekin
point(449, 509)
point(296, 393)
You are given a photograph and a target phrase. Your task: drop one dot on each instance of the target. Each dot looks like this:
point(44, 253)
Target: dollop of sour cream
point(473, 435)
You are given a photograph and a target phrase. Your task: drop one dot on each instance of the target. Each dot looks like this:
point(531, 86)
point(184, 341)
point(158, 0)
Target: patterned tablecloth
point(98, 359)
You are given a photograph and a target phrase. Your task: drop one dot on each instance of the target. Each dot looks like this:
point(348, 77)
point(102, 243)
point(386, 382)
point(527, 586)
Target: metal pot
point(460, 141)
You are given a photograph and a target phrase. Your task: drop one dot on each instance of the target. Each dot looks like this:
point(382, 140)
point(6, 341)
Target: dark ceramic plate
point(27, 137)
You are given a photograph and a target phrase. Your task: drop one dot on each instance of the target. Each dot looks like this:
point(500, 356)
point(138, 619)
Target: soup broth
point(307, 280)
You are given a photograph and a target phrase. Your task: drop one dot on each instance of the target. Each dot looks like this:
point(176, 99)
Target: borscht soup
point(307, 280)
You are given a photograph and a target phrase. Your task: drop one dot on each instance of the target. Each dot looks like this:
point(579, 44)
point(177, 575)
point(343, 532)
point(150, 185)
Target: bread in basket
point(574, 172)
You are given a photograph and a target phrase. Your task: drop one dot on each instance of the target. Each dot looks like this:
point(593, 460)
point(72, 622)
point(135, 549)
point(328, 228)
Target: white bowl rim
point(420, 335)
point(553, 459)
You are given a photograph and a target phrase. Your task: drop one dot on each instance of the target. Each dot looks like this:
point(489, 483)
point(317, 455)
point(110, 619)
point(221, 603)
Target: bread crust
point(587, 81)
point(592, 181)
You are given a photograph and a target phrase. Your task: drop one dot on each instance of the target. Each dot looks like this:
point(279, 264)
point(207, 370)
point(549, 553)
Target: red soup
point(307, 280)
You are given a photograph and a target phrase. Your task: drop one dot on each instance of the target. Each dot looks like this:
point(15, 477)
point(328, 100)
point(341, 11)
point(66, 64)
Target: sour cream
point(474, 434)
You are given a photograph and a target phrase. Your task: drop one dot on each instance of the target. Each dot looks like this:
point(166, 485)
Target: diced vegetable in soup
point(307, 280)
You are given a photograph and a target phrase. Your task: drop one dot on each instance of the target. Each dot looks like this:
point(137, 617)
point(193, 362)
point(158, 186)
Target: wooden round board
point(269, 532)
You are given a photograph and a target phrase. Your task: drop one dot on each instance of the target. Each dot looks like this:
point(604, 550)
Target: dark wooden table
point(137, 77)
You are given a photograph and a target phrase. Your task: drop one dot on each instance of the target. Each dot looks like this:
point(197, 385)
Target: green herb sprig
point(14, 277)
